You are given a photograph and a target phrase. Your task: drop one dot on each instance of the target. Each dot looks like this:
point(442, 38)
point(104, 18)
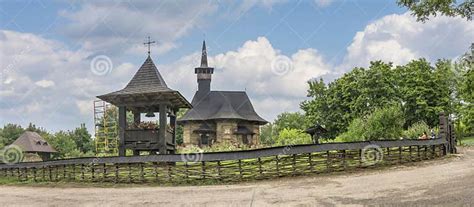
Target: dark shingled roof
point(149, 82)
point(33, 142)
point(222, 105)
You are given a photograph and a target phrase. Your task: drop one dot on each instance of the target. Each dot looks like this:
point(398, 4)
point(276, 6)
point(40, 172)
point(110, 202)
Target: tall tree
point(290, 120)
point(426, 90)
point(423, 9)
point(422, 90)
point(10, 133)
point(83, 139)
point(268, 134)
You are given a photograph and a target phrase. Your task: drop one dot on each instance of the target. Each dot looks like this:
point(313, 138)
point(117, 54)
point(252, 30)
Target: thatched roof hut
point(32, 142)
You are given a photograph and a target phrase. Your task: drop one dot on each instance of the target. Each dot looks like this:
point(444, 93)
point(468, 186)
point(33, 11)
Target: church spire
point(204, 72)
point(204, 55)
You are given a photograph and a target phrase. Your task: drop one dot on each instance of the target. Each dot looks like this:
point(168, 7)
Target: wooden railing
point(229, 166)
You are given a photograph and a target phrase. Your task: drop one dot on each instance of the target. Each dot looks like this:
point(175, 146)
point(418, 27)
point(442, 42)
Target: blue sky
point(289, 26)
point(269, 48)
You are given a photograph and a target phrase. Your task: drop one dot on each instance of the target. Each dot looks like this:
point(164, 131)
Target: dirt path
point(447, 182)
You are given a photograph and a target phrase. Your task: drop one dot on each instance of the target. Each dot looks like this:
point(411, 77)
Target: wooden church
point(219, 116)
point(213, 116)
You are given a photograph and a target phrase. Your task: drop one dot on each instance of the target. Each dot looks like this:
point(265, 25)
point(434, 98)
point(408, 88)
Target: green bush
point(383, 123)
point(416, 130)
point(355, 132)
point(292, 137)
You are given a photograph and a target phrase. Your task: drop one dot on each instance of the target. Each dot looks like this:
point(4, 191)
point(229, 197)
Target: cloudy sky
point(56, 56)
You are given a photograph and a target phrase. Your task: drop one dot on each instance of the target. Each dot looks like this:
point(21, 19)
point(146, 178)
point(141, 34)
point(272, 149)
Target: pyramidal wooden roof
point(147, 84)
point(33, 142)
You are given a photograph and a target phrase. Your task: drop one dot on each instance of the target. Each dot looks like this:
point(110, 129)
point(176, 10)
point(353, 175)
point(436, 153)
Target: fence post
point(443, 130)
point(129, 172)
point(400, 149)
point(73, 171)
point(260, 166)
point(155, 171)
point(293, 164)
point(93, 172)
point(240, 169)
point(142, 173)
point(328, 161)
point(50, 173)
point(186, 166)
point(203, 169)
point(82, 172)
point(219, 170)
point(117, 171)
point(344, 163)
point(104, 171)
point(277, 166)
point(410, 153)
point(34, 174)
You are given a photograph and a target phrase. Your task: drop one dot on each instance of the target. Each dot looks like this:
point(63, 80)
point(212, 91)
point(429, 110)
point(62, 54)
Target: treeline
point(383, 101)
point(71, 143)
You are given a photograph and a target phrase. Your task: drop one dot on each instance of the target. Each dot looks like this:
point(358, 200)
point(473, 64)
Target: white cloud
point(33, 63)
point(323, 3)
point(250, 68)
point(45, 83)
point(399, 38)
point(118, 26)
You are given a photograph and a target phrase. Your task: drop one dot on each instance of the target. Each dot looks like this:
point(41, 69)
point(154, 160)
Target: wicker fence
point(229, 166)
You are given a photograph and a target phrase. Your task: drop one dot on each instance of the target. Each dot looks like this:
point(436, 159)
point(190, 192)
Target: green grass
point(468, 141)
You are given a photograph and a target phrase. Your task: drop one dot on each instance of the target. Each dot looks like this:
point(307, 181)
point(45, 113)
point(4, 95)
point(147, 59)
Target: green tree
point(355, 94)
point(466, 93)
point(268, 134)
point(179, 127)
point(64, 143)
point(10, 133)
point(83, 139)
point(423, 9)
point(33, 128)
point(426, 90)
point(290, 120)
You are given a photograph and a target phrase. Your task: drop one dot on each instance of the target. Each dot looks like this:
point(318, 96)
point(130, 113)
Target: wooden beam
point(162, 132)
point(173, 127)
point(122, 127)
point(136, 118)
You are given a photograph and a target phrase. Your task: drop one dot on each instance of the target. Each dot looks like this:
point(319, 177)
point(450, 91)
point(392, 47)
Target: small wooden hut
point(147, 93)
point(316, 131)
point(32, 142)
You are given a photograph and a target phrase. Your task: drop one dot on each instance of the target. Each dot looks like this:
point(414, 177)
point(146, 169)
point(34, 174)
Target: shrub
point(355, 132)
point(416, 130)
point(292, 137)
point(383, 123)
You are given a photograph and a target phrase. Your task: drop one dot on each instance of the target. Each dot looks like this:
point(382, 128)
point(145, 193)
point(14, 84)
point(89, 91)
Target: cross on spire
point(149, 43)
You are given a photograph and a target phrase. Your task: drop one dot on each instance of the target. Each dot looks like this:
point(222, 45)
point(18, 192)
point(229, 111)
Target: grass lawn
point(467, 141)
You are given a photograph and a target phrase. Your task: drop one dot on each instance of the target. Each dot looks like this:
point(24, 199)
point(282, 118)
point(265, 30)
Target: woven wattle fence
point(229, 166)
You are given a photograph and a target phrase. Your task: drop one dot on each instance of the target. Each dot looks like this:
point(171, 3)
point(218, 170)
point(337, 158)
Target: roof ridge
point(230, 91)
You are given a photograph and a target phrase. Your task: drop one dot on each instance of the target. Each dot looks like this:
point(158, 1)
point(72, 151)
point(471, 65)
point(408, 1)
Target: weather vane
point(149, 43)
